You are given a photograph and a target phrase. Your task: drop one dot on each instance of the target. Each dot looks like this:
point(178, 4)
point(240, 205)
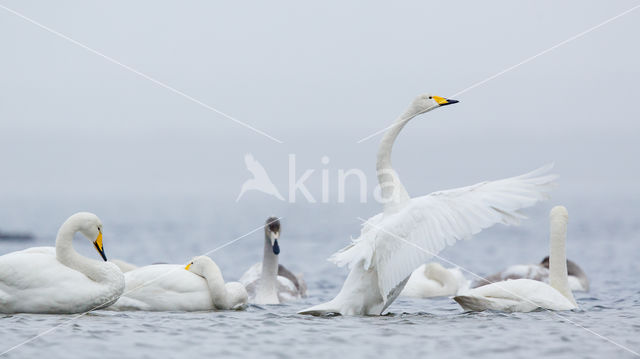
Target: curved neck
point(558, 277)
point(217, 289)
point(69, 257)
point(392, 191)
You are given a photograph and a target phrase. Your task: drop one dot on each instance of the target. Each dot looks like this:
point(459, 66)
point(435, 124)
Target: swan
point(578, 281)
point(434, 280)
point(525, 295)
point(269, 282)
point(411, 230)
point(59, 280)
point(169, 287)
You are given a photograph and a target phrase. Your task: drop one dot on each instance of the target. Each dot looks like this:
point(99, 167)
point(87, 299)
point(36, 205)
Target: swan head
point(91, 227)
point(559, 212)
point(272, 233)
point(198, 264)
point(237, 296)
point(428, 102)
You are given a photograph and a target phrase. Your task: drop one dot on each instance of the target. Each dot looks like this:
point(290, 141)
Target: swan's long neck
point(558, 277)
point(217, 288)
point(268, 287)
point(392, 191)
point(69, 257)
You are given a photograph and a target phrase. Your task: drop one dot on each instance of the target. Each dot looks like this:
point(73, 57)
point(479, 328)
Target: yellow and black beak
point(188, 266)
point(98, 244)
point(444, 101)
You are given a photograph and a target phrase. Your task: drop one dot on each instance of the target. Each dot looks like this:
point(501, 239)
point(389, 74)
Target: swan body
point(434, 280)
point(58, 279)
point(269, 282)
point(507, 296)
point(525, 295)
point(578, 281)
point(410, 231)
point(169, 287)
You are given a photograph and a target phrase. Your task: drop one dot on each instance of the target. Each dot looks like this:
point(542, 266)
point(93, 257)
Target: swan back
point(237, 296)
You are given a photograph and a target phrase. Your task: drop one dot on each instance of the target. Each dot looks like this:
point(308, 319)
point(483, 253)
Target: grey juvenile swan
point(269, 282)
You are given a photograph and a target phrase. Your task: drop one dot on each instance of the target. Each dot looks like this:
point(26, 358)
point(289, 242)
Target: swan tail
point(472, 303)
point(324, 309)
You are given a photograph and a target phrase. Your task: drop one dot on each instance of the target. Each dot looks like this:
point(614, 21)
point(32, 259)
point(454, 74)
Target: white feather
point(398, 243)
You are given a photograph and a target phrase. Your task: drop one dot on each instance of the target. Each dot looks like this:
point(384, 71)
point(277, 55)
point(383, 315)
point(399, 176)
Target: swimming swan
point(169, 287)
point(578, 281)
point(59, 280)
point(525, 295)
point(434, 280)
point(278, 284)
point(394, 243)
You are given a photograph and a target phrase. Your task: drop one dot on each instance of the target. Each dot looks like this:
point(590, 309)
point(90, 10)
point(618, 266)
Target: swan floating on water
point(394, 243)
point(525, 295)
point(58, 279)
point(173, 287)
point(578, 281)
point(269, 282)
point(434, 280)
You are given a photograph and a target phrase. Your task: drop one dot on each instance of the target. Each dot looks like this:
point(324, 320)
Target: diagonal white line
point(127, 292)
point(364, 221)
point(141, 74)
point(529, 59)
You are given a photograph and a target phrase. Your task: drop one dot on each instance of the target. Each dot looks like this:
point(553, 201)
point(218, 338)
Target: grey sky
point(319, 77)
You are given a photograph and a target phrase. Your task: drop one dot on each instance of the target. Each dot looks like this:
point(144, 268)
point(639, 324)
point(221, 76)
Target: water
point(603, 239)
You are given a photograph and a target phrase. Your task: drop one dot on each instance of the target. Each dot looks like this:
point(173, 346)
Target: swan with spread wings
point(410, 231)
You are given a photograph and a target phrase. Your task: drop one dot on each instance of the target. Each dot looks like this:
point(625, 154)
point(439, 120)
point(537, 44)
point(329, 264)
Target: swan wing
point(394, 245)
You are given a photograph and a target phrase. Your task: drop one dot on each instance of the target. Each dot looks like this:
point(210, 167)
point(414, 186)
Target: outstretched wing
point(397, 244)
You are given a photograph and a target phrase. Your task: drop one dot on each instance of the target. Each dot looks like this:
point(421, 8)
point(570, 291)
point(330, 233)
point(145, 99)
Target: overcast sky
point(318, 77)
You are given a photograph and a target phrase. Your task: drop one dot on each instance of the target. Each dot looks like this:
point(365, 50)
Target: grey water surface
point(603, 239)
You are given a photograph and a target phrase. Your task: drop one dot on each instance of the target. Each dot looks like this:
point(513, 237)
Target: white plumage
point(59, 280)
point(433, 280)
point(411, 231)
point(172, 287)
point(525, 295)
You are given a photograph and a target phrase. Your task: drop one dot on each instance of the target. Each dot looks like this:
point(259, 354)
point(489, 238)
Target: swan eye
point(430, 97)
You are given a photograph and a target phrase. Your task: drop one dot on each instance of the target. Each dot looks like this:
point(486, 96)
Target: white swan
point(434, 280)
point(169, 287)
point(269, 282)
point(525, 295)
point(59, 280)
point(410, 231)
point(578, 281)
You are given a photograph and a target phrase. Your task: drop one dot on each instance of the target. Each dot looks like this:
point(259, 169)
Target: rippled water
point(604, 238)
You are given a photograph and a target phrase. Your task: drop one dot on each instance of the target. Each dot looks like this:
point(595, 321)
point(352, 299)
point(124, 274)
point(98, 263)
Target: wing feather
point(397, 243)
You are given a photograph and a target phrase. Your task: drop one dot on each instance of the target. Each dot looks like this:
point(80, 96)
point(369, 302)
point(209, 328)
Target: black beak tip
point(101, 252)
point(451, 102)
point(276, 248)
